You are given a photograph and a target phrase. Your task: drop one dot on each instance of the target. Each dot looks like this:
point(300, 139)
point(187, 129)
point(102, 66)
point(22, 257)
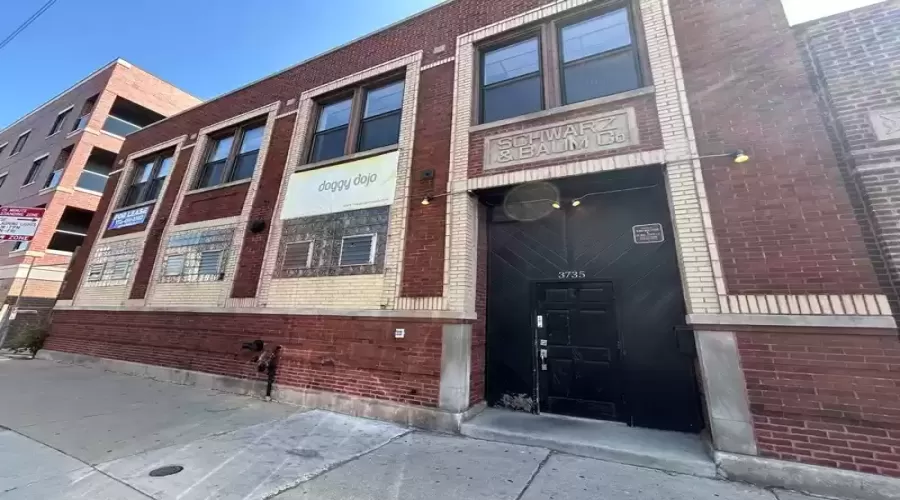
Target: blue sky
point(174, 40)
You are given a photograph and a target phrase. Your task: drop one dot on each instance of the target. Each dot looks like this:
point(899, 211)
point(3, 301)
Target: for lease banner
point(354, 185)
point(19, 223)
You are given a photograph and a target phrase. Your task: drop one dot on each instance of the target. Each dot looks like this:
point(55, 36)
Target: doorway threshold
point(604, 440)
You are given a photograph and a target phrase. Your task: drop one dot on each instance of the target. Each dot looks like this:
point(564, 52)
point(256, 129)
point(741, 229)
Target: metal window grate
point(95, 273)
point(174, 265)
point(119, 270)
point(356, 250)
point(210, 262)
point(297, 255)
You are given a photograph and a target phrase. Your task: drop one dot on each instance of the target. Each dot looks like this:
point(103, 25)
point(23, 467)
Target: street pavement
point(72, 432)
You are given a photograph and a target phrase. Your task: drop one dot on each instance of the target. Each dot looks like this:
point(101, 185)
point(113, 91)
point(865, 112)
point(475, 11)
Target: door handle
point(543, 355)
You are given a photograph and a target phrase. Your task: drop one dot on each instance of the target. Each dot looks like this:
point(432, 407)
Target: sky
point(205, 47)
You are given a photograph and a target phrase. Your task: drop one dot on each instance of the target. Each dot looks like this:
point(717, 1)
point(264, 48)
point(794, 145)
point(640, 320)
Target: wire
point(26, 23)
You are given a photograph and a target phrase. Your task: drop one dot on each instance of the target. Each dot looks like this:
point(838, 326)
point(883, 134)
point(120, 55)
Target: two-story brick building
point(534, 204)
point(59, 157)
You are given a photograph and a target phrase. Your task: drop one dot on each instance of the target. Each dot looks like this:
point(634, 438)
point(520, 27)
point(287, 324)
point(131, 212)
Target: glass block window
point(197, 255)
point(113, 263)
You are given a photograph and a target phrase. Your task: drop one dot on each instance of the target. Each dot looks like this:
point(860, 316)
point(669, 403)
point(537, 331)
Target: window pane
point(596, 35)
point(512, 99)
point(53, 179)
point(119, 270)
point(243, 166)
point(153, 189)
point(384, 100)
point(357, 250)
point(511, 61)
point(327, 145)
point(91, 181)
point(379, 132)
point(164, 168)
point(95, 272)
point(143, 173)
point(599, 77)
point(211, 174)
point(131, 197)
point(220, 149)
point(334, 115)
point(252, 139)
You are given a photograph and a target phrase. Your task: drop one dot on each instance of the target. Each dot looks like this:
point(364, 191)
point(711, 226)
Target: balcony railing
point(92, 181)
point(117, 126)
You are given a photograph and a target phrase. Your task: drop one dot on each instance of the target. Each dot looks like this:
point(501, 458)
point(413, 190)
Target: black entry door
point(578, 350)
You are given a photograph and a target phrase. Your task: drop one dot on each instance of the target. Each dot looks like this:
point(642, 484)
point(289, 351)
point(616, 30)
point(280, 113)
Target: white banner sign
point(355, 185)
point(18, 223)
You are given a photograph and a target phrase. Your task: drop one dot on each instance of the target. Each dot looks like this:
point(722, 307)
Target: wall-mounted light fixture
point(737, 156)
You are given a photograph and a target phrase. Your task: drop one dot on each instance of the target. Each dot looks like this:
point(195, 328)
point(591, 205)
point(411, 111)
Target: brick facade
point(777, 240)
point(849, 58)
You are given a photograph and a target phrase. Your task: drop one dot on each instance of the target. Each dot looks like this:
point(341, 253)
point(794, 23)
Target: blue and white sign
point(128, 218)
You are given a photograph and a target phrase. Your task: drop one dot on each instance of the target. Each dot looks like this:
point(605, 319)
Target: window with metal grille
point(210, 263)
point(297, 255)
point(95, 273)
point(357, 250)
point(119, 270)
point(174, 265)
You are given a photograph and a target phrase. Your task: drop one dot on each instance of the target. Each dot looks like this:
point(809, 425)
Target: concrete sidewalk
point(82, 433)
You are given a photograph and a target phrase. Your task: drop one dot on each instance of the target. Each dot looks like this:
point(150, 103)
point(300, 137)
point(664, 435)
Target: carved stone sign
point(886, 123)
point(559, 140)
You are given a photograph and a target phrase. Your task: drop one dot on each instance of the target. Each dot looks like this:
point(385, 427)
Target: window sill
point(74, 133)
point(621, 96)
point(54, 133)
point(136, 205)
point(348, 158)
point(26, 185)
point(219, 186)
point(58, 252)
point(114, 136)
point(47, 189)
point(88, 191)
point(25, 253)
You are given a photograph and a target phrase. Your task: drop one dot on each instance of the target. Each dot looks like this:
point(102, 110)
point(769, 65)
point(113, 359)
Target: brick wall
point(829, 399)
point(418, 33)
point(850, 60)
point(213, 204)
point(423, 256)
point(783, 221)
point(647, 123)
point(357, 356)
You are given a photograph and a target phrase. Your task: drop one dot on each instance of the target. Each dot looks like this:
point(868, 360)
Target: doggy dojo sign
point(355, 185)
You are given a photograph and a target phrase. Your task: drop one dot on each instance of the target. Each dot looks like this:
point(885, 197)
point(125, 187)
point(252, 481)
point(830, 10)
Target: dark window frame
point(158, 159)
point(59, 121)
point(535, 32)
point(549, 34)
point(238, 133)
point(357, 94)
point(19, 146)
point(35, 170)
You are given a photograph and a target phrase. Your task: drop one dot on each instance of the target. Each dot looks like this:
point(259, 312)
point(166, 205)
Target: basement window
point(297, 255)
point(357, 250)
point(95, 272)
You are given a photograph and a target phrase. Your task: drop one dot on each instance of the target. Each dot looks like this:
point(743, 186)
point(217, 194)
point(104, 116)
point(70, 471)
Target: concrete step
point(612, 441)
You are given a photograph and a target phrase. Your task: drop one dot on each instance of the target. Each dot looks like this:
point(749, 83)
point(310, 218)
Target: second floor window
point(367, 119)
point(34, 170)
point(20, 143)
point(232, 156)
point(59, 121)
point(149, 175)
point(565, 61)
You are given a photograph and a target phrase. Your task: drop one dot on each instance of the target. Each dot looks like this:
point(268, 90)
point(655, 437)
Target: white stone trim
point(116, 195)
point(825, 304)
point(438, 63)
point(236, 308)
point(396, 232)
point(795, 320)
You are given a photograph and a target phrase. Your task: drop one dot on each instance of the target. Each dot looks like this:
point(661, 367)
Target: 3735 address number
point(571, 274)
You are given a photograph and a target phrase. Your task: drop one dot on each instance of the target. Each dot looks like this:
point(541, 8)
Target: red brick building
point(59, 157)
point(531, 204)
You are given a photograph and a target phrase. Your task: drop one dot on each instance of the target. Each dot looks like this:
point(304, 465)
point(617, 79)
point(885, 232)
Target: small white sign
point(18, 223)
point(399, 333)
point(540, 321)
point(370, 182)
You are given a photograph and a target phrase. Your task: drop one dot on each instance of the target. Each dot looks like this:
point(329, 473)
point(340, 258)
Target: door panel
point(578, 349)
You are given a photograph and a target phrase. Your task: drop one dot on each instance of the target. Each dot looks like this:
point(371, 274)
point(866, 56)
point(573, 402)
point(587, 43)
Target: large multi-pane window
point(149, 175)
point(231, 156)
point(564, 61)
point(363, 119)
